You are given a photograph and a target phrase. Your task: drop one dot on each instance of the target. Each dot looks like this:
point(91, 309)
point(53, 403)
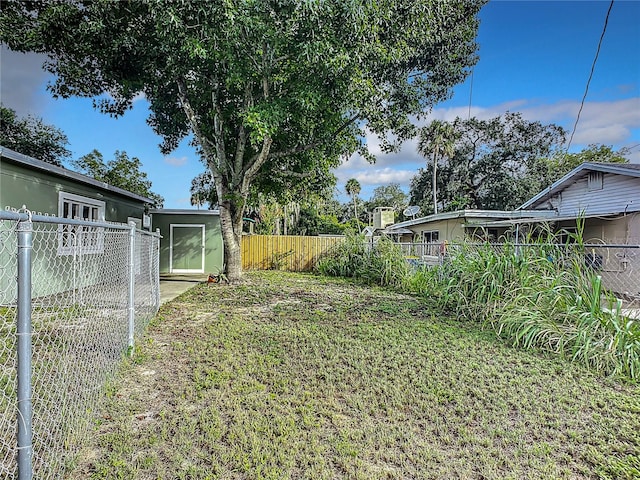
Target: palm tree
point(353, 189)
point(437, 139)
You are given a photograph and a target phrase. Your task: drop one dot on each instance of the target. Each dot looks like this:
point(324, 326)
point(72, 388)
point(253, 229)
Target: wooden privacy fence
point(284, 252)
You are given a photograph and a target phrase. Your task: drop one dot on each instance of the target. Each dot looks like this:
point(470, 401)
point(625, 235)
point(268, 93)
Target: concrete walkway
point(173, 285)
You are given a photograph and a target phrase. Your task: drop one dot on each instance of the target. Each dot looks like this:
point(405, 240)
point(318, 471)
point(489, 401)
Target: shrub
point(380, 264)
point(539, 296)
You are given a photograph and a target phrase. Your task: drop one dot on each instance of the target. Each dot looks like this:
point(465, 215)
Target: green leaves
point(31, 136)
point(270, 90)
point(122, 172)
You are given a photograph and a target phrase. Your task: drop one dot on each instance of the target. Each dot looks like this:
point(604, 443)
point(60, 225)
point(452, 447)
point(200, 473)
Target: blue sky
point(535, 58)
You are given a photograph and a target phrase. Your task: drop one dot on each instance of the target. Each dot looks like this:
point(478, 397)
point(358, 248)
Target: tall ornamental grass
point(542, 295)
point(380, 264)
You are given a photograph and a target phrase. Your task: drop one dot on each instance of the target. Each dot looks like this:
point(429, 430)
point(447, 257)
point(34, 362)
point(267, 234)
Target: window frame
point(92, 237)
point(431, 234)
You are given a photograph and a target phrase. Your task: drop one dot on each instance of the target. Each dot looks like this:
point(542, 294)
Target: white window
point(80, 238)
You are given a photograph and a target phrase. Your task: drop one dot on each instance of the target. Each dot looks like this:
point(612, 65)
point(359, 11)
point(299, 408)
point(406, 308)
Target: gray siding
point(620, 194)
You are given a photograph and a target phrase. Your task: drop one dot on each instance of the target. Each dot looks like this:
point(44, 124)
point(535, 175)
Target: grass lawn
point(301, 377)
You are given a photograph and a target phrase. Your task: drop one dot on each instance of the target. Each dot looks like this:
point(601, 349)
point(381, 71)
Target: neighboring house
point(605, 195)
point(601, 198)
point(191, 241)
point(452, 226)
point(50, 190)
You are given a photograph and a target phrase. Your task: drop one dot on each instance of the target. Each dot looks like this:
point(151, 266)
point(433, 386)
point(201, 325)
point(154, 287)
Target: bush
point(540, 296)
point(380, 264)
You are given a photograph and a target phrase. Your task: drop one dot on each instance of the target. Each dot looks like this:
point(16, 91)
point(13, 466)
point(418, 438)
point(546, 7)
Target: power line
point(593, 66)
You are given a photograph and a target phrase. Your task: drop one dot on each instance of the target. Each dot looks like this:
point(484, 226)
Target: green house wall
point(213, 246)
point(37, 186)
point(38, 190)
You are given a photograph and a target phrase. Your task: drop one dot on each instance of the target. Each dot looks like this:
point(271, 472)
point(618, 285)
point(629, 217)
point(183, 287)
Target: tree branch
point(312, 145)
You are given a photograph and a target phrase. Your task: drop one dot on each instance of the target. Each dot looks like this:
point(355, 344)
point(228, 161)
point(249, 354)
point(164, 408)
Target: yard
point(307, 377)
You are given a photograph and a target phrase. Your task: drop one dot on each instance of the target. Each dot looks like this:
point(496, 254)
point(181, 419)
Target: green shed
point(191, 241)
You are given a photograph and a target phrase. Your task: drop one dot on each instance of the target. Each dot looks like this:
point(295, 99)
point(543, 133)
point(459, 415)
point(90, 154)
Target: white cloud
point(614, 123)
point(176, 161)
point(385, 176)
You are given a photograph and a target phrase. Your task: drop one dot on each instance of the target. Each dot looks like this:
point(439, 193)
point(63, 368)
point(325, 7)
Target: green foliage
point(31, 136)
point(389, 196)
point(536, 296)
point(274, 93)
point(122, 172)
point(203, 190)
point(489, 164)
point(438, 140)
point(539, 296)
point(557, 166)
point(311, 222)
point(380, 264)
point(352, 187)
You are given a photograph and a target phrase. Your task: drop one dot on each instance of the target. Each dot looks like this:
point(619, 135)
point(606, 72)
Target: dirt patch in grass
point(304, 377)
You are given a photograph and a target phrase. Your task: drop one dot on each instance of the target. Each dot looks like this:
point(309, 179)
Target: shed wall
point(214, 258)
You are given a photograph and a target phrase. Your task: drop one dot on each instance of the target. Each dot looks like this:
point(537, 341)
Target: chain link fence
point(73, 295)
point(617, 263)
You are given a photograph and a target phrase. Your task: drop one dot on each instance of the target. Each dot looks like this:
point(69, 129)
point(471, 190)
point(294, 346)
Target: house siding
point(213, 252)
point(38, 190)
point(620, 193)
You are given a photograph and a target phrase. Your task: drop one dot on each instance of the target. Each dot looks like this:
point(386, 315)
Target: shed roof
point(183, 211)
point(33, 163)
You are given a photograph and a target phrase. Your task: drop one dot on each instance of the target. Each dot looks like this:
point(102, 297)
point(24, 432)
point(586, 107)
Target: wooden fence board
point(284, 252)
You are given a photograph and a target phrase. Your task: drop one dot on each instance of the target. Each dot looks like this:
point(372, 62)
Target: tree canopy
point(31, 136)
point(122, 172)
point(494, 164)
point(273, 89)
point(389, 196)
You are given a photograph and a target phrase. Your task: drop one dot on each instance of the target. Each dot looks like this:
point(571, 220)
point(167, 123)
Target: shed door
point(186, 250)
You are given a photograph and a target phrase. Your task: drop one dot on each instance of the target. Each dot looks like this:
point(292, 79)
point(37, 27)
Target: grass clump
point(380, 264)
point(542, 295)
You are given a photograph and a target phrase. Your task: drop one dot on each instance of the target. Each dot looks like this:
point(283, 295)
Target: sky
point(534, 58)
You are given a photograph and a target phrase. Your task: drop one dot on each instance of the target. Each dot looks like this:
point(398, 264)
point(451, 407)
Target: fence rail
point(618, 264)
point(73, 295)
point(284, 252)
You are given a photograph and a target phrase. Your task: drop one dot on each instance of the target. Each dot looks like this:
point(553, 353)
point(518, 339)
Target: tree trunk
point(433, 181)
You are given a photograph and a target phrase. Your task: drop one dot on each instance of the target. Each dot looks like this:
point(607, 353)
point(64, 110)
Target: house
point(605, 195)
point(602, 199)
point(452, 226)
point(50, 190)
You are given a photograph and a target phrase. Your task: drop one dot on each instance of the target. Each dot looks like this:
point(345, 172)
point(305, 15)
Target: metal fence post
point(132, 278)
point(25, 434)
point(156, 264)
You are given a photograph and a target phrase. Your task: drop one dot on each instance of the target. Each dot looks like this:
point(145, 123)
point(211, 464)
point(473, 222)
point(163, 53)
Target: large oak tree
point(266, 88)
point(494, 164)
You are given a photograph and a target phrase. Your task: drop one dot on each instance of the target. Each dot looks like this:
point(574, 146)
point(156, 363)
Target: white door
point(186, 248)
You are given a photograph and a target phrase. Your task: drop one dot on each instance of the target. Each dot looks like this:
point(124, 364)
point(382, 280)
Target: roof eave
point(69, 174)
